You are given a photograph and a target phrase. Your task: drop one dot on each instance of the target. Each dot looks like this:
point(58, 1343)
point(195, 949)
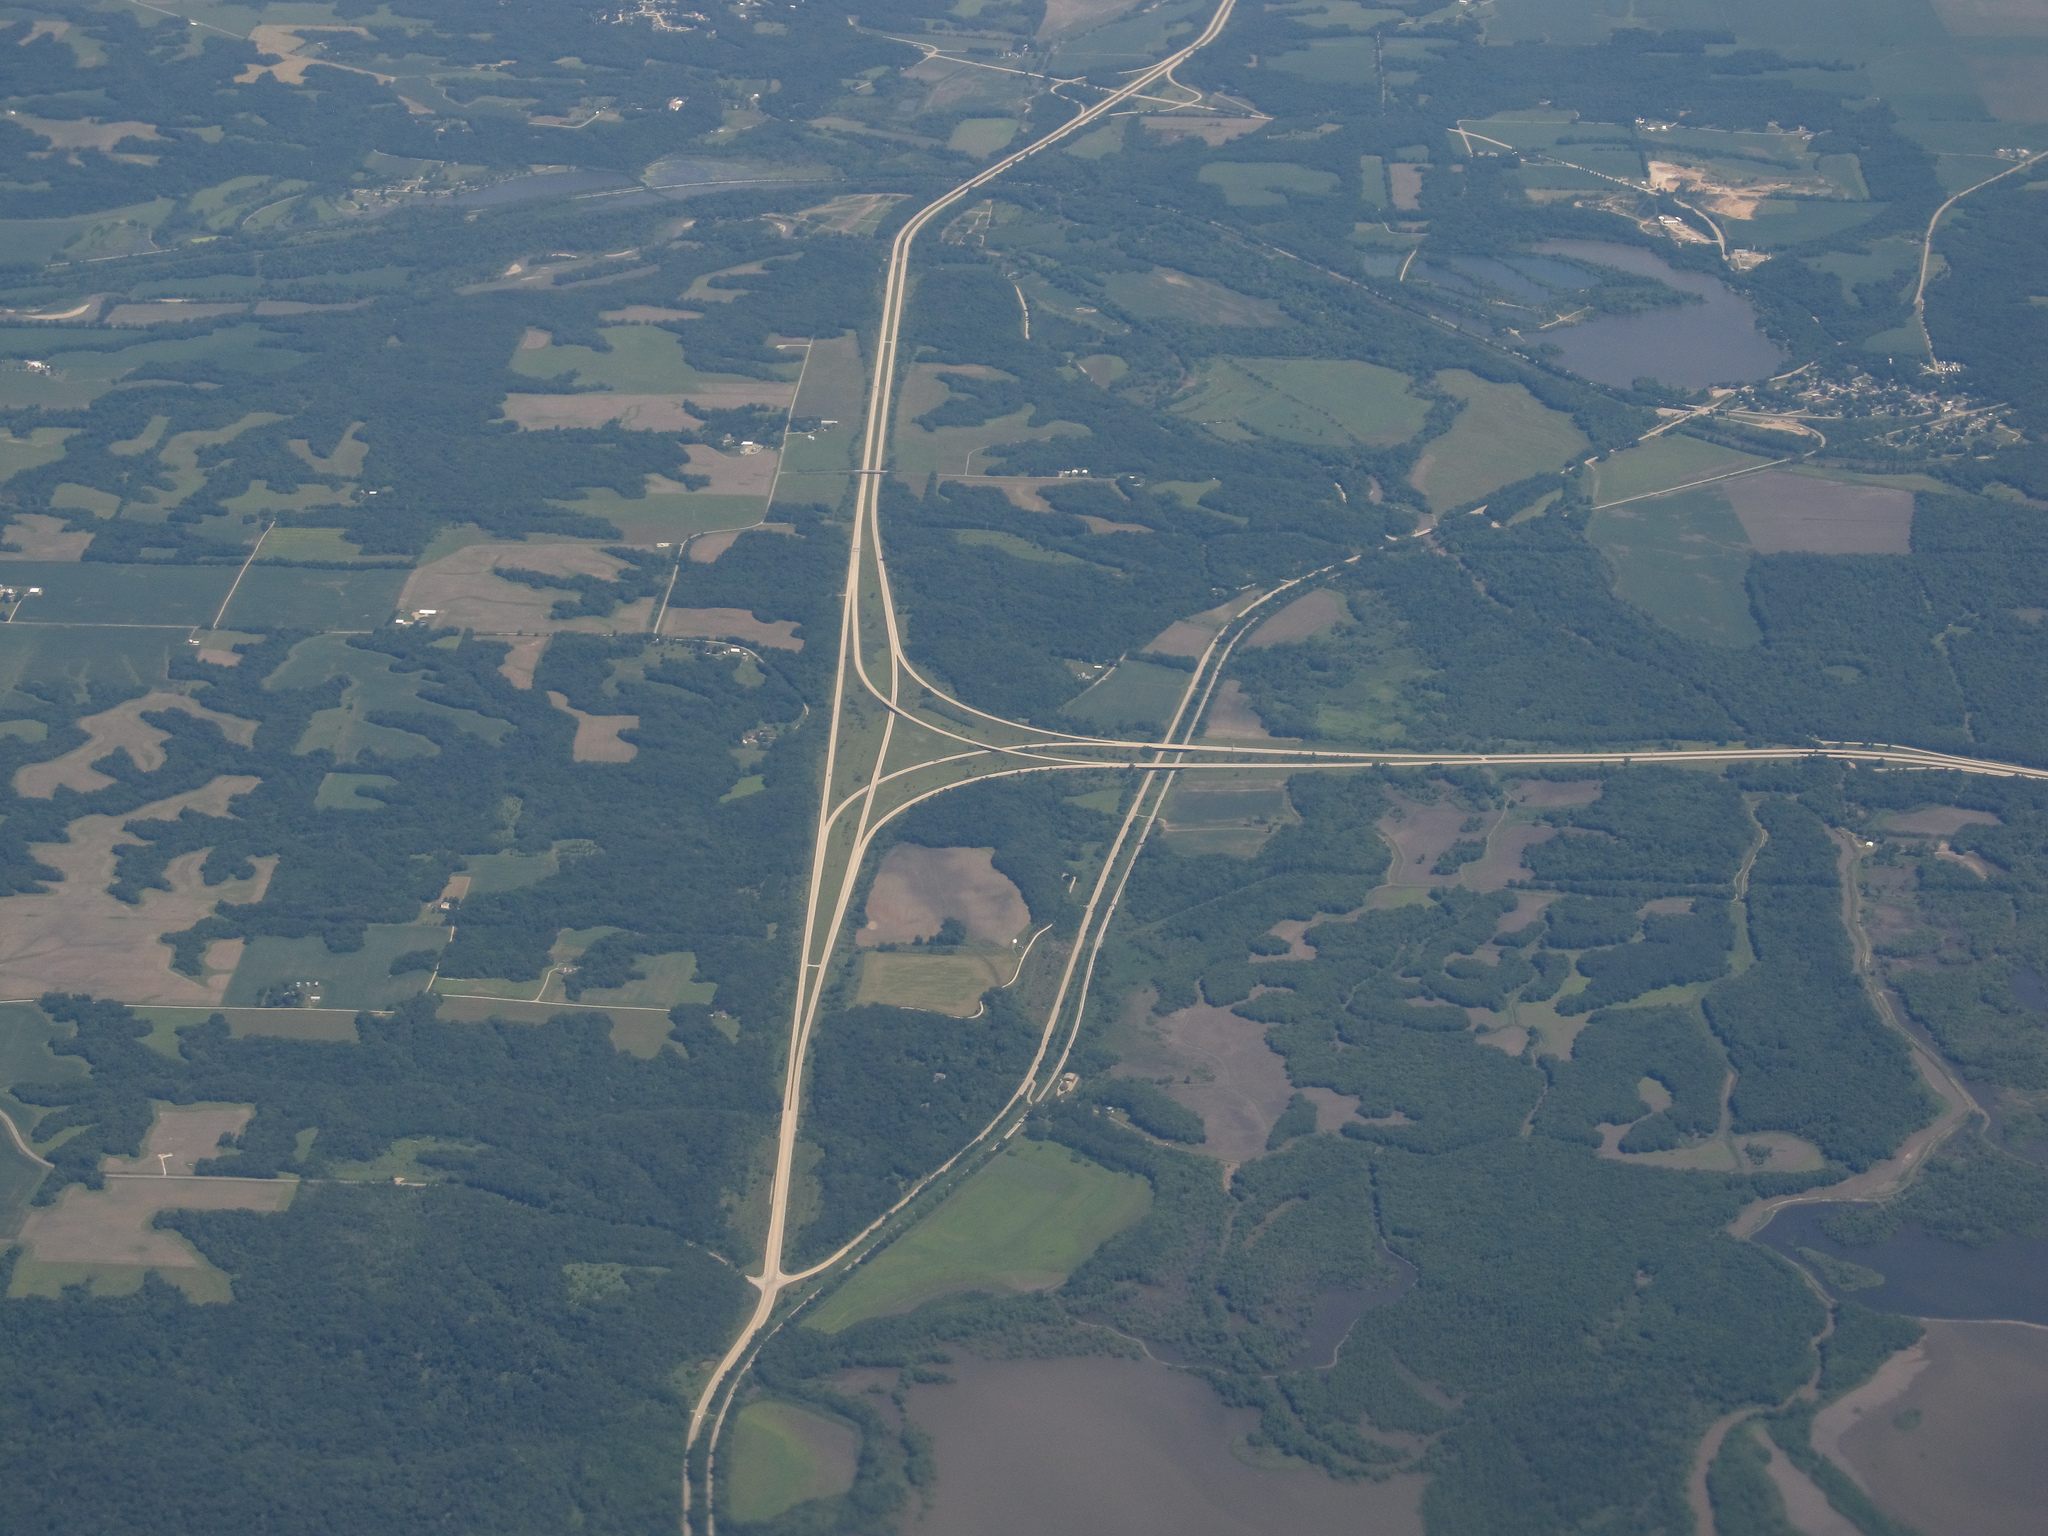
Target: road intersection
point(896, 739)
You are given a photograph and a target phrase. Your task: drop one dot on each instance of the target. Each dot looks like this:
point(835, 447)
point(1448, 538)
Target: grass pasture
point(1134, 692)
point(1164, 294)
point(647, 360)
point(1663, 464)
point(1326, 402)
point(375, 685)
point(921, 451)
point(74, 592)
point(981, 136)
point(1684, 560)
point(1226, 813)
point(1502, 435)
point(1265, 183)
point(361, 979)
point(783, 1455)
point(328, 1025)
point(1023, 1222)
point(949, 981)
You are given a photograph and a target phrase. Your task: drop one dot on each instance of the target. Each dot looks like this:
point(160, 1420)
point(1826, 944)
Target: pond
point(1712, 341)
point(1925, 1276)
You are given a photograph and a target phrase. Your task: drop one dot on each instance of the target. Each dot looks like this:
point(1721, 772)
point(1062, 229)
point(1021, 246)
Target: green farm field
point(1503, 434)
point(352, 979)
point(1326, 402)
point(1021, 1223)
point(94, 593)
point(1265, 184)
point(1662, 464)
point(1683, 560)
point(292, 597)
point(784, 1455)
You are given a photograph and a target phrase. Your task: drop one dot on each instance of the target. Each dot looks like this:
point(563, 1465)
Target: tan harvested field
point(283, 44)
point(121, 729)
point(1220, 1066)
point(731, 624)
point(1948, 1435)
point(1555, 794)
point(716, 287)
point(1529, 906)
point(1334, 1110)
point(76, 937)
point(96, 1234)
point(1419, 833)
point(1502, 864)
point(707, 547)
point(1183, 637)
point(1027, 494)
point(1067, 15)
point(522, 659)
point(1232, 718)
point(916, 889)
point(1404, 180)
point(169, 312)
point(183, 1136)
point(466, 592)
point(344, 460)
point(1311, 614)
point(1210, 130)
point(1786, 513)
point(730, 474)
point(648, 314)
point(41, 536)
point(599, 738)
point(636, 413)
point(83, 132)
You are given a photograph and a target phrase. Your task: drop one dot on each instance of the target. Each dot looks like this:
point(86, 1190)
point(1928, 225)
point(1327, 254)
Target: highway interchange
point(897, 739)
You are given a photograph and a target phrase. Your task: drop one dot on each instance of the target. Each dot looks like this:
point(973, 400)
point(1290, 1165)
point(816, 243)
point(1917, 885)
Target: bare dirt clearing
point(465, 591)
point(121, 729)
point(1948, 1434)
point(731, 624)
point(78, 938)
point(1784, 513)
point(916, 889)
point(1311, 614)
point(599, 738)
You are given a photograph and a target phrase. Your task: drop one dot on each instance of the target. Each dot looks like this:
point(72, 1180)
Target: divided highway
point(852, 810)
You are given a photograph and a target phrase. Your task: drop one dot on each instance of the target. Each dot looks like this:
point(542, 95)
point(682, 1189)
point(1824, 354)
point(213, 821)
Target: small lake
point(1108, 1447)
point(1713, 341)
point(1927, 1277)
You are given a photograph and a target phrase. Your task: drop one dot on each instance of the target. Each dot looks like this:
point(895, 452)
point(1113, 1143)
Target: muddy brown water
point(1108, 1447)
